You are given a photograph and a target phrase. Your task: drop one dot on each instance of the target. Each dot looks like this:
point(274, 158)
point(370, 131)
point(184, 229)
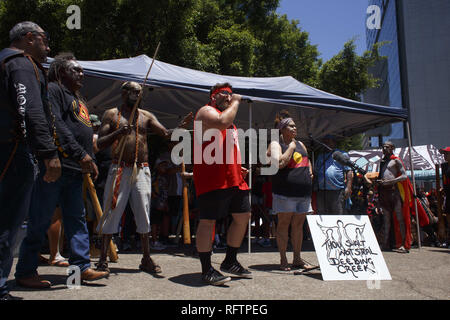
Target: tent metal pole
point(250, 176)
point(414, 184)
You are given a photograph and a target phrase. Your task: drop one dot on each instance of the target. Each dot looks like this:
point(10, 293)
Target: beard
point(223, 106)
point(131, 102)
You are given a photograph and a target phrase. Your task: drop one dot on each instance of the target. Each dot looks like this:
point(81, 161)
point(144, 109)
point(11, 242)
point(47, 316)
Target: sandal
point(149, 266)
point(284, 266)
point(59, 263)
point(303, 264)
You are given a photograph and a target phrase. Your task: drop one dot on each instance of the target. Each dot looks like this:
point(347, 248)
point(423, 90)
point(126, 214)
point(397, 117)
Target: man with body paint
point(130, 179)
point(391, 173)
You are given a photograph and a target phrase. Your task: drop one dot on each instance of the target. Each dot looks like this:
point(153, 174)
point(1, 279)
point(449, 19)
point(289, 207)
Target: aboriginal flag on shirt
point(73, 128)
point(294, 180)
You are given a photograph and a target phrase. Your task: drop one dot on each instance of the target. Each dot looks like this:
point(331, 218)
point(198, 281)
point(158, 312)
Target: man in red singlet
point(220, 184)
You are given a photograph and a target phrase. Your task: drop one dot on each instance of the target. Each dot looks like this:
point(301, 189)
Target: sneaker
point(157, 246)
point(214, 277)
point(236, 269)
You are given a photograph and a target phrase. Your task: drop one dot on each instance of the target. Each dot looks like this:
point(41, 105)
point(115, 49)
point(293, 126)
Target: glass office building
point(389, 92)
point(416, 72)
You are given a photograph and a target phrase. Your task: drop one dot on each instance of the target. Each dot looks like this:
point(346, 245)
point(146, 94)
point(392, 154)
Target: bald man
point(123, 184)
point(390, 200)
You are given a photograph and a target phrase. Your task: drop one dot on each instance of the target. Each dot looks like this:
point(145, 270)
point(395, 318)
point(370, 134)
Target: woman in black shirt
point(292, 188)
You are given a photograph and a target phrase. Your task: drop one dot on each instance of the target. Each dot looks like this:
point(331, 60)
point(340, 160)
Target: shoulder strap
point(36, 72)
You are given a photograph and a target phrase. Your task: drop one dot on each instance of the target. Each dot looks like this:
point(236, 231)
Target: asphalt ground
point(419, 275)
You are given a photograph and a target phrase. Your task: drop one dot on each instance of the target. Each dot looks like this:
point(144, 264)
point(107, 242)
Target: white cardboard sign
point(347, 248)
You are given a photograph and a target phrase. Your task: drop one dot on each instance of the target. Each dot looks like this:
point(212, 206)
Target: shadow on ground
point(191, 280)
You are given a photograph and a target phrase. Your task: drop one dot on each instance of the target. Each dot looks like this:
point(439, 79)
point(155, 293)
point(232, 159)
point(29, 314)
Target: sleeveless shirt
point(214, 176)
point(294, 180)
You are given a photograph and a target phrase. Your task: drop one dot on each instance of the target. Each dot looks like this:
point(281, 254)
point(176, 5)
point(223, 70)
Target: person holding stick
point(292, 189)
point(73, 133)
point(220, 185)
point(390, 200)
point(130, 179)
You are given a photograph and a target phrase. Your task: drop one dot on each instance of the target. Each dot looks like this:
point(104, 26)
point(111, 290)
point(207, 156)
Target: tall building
point(416, 72)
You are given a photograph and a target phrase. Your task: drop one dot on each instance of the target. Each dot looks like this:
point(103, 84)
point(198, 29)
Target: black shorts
point(174, 205)
point(217, 204)
point(156, 216)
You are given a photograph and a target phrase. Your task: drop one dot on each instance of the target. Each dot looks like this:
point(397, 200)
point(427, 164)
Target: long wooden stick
point(122, 141)
point(112, 250)
point(186, 226)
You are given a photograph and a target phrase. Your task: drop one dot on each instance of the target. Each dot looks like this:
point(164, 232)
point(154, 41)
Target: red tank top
point(214, 176)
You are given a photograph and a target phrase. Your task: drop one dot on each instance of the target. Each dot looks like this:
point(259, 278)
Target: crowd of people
point(52, 146)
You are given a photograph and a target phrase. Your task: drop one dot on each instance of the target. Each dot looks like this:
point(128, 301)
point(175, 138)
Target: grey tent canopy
point(177, 90)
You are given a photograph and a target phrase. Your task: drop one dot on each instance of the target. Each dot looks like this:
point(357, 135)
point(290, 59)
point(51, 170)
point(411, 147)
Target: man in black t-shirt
point(24, 134)
point(74, 138)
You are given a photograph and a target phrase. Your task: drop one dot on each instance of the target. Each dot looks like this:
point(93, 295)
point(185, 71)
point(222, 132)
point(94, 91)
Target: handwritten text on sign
point(347, 248)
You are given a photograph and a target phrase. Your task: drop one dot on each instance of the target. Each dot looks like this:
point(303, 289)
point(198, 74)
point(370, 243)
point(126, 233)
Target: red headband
point(227, 89)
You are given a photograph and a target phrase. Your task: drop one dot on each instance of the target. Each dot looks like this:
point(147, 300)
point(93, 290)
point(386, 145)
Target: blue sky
point(330, 23)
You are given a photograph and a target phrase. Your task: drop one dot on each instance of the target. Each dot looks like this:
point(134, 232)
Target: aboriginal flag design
point(81, 112)
point(298, 161)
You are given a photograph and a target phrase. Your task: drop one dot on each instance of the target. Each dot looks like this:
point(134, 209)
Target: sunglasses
point(225, 92)
point(134, 91)
point(44, 35)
